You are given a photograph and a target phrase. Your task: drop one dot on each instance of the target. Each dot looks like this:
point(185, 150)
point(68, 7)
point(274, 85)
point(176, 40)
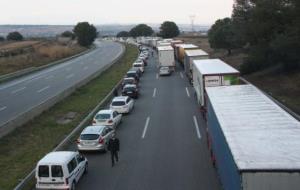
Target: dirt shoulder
point(16, 56)
point(282, 86)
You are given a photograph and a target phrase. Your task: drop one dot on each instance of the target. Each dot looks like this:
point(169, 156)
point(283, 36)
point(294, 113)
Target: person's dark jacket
point(113, 145)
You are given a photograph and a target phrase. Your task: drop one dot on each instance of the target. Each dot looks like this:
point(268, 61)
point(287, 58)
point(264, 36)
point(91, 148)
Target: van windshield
point(56, 171)
point(89, 137)
point(43, 171)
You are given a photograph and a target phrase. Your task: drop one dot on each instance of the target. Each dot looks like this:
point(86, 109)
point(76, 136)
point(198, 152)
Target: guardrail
point(23, 72)
point(82, 124)
point(295, 115)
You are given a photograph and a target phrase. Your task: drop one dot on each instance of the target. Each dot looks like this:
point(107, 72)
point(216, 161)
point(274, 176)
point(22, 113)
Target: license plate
point(88, 143)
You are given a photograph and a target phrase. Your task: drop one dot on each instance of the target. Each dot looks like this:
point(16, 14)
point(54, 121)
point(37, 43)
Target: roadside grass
point(42, 53)
point(21, 149)
point(284, 87)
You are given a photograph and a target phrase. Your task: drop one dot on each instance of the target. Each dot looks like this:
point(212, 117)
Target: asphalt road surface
point(163, 143)
point(23, 94)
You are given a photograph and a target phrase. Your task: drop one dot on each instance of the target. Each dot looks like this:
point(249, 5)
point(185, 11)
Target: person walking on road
point(114, 148)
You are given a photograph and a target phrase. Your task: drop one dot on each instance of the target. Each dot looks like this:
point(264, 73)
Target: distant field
point(40, 53)
point(284, 87)
point(17, 45)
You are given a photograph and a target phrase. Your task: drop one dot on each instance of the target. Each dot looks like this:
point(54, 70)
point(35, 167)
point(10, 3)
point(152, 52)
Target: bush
point(14, 36)
point(68, 34)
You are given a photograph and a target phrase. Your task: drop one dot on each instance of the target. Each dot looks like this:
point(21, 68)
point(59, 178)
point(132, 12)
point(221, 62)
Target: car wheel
point(73, 186)
point(86, 168)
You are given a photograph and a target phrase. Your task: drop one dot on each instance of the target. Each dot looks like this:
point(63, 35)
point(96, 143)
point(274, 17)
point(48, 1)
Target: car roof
point(59, 157)
point(120, 98)
point(128, 78)
point(105, 111)
point(138, 63)
point(132, 72)
point(164, 67)
point(93, 129)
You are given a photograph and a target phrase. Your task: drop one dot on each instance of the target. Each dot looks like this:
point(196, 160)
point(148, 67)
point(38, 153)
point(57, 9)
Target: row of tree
point(168, 29)
point(268, 29)
point(12, 36)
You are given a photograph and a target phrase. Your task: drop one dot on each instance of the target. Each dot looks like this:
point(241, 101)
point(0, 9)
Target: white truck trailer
point(254, 142)
point(166, 57)
point(190, 56)
point(212, 72)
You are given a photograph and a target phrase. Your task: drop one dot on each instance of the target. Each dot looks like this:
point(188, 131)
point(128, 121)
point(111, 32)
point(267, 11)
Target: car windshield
point(118, 103)
point(89, 136)
point(102, 116)
point(130, 88)
point(43, 171)
point(128, 81)
point(131, 74)
point(137, 65)
point(56, 171)
point(164, 68)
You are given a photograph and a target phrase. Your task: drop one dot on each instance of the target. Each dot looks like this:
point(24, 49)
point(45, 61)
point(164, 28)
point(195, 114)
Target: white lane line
point(146, 127)
point(154, 93)
point(69, 76)
point(43, 89)
point(181, 75)
point(85, 68)
point(18, 90)
point(3, 108)
point(49, 77)
point(187, 92)
point(157, 76)
point(33, 79)
point(197, 127)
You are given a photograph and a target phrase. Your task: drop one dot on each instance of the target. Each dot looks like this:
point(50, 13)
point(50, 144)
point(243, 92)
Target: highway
point(23, 94)
point(163, 142)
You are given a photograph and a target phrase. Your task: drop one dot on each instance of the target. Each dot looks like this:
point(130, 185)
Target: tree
point(86, 33)
point(2, 38)
point(222, 36)
point(14, 36)
point(123, 34)
point(68, 34)
point(141, 30)
point(169, 29)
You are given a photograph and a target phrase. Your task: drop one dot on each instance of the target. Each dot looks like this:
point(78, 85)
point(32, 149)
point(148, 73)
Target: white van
point(60, 170)
point(139, 65)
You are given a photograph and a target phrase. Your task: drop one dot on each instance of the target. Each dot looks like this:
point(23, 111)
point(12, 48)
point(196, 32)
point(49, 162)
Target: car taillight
point(67, 181)
point(110, 121)
point(101, 140)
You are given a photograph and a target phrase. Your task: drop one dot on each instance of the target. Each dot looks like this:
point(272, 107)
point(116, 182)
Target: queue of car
point(63, 169)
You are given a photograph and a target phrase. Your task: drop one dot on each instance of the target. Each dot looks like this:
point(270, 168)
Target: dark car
point(128, 80)
point(137, 70)
point(130, 90)
point(133, 74)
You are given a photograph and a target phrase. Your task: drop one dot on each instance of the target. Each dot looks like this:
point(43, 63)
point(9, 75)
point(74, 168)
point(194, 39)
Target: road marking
point(197, 127)
point(33, 79)
point(146, 127)
point(18, 90)
point(85, 68)
point(49, 77)
point(187, 92)
point(3, 108)
point(157, 76)
point(181, 75)
point(69, 76)
point(43, 89)
point(154, 93)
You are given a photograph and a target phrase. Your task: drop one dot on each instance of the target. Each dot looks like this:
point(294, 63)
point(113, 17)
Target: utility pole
point(192, 17)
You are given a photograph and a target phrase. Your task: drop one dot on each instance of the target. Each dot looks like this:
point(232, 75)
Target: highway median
point(21, 149)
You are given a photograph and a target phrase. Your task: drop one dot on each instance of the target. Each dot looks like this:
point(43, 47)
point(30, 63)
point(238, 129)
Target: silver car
point(94, 138)
point(163, 71)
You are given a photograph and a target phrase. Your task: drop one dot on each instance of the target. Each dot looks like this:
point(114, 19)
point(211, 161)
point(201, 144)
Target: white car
point(139, 65)
point(94, 138)
point(107, 118)
point(60, 170)
point(122, 104)
point(163, 71)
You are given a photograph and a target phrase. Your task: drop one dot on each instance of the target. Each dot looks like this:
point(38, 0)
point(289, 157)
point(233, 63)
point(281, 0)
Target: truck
point(190, 56)
point(180, 48)
point(254, 143)
point(166, 57)
point(212, 72)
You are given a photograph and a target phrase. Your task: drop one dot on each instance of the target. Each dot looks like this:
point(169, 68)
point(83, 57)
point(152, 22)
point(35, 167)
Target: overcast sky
point(112, 11)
